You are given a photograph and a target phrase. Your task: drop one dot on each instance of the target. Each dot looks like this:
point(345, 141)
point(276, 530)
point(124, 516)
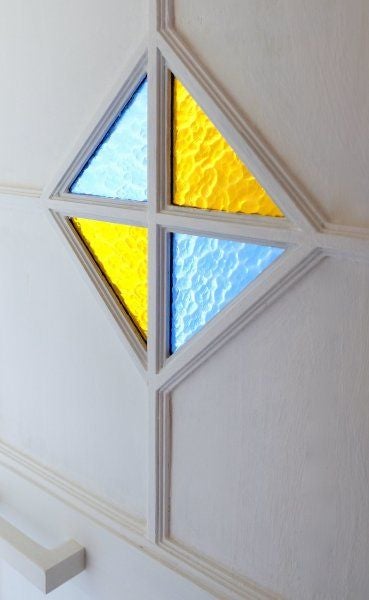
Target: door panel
point(277, 485)
point(238, 469)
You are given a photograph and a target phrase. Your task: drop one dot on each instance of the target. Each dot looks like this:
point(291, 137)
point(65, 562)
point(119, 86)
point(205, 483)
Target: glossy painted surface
point(207, 273)
point(207, 173)
point(121, 253)
point(118, 167)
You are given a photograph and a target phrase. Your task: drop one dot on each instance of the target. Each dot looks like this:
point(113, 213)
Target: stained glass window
point(207, 173)
point(118, 167)
point(121, 254)
point(207, 273)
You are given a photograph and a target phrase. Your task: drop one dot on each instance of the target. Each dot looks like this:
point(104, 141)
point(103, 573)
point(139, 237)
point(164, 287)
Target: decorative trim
point(346, 230)
point(160, 285)
point(159, 282)
point(13, 190)
point(133, 341)
point(97, 203)
point(157, 246)
point(158, 279)
point(156, 439)
point(164, 132)
point(242, 229)
point(133, 214)
point(346, 242)
point(225, 584)
point(95, 508)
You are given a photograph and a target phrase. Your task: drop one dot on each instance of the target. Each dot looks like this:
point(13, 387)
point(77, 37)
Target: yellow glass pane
point(121, 253)
point(207, 173)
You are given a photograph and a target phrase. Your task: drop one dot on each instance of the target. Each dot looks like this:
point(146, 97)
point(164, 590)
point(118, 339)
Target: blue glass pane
point(118, 167)
point(208, 273)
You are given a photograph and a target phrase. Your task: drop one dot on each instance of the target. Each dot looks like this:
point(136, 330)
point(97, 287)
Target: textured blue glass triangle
point(118, 166)
point(206, 274)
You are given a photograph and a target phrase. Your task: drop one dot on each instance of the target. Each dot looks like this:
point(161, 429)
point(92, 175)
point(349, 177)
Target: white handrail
point(46, 569)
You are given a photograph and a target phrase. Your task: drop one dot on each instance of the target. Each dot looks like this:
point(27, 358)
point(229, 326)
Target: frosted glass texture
point(118, 167)
point(121, 254)
point(207, 173)
point(206, 274)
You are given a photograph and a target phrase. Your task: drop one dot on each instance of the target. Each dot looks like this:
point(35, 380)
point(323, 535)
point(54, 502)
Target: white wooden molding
point(158, 281)
point(13, 190)
point(97, 509)
point(44, 568)
point(344, 242)
point(20, 201)
point(129, 213)
point(223, 584)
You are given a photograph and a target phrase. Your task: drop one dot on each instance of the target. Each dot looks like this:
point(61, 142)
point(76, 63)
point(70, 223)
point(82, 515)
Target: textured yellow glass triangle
point(121, 253)
point(207, 173)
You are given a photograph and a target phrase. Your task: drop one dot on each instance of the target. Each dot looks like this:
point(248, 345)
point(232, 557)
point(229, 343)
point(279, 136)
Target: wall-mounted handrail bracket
point(46, 569)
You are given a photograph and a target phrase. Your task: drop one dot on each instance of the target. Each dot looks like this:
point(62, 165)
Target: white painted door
point(239, 468)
